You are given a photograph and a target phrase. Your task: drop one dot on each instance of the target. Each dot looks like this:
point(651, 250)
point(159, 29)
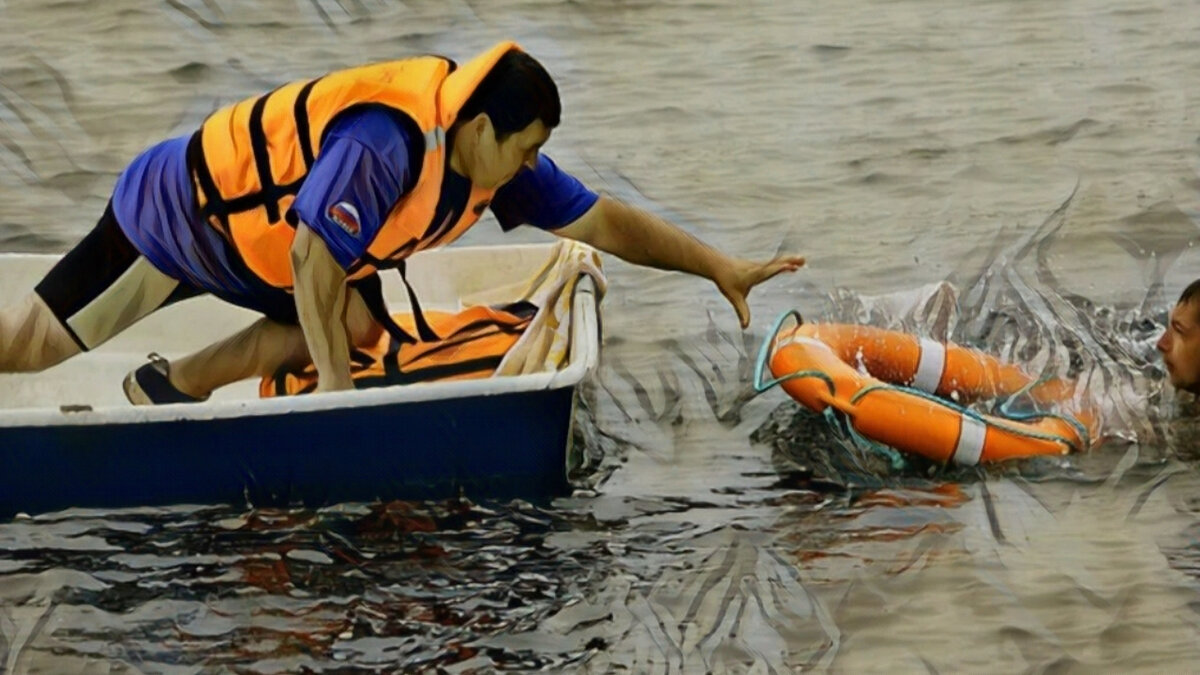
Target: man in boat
point(291, 202)
point(1180, 342)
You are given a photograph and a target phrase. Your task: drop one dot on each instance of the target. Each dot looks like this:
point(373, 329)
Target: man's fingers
point(743, 310)
point(769, 270)
point(791, 263)
point(738, 300)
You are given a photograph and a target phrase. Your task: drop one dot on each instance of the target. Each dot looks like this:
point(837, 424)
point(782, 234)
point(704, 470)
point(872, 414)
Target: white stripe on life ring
point(971, 435)
point(806, 341)
point(930, 366)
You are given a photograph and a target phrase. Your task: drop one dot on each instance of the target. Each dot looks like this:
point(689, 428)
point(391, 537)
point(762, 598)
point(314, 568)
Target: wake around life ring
point(908, 397)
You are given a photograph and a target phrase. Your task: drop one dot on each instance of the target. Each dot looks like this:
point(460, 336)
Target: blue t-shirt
point(363, 169)
point(155, 206)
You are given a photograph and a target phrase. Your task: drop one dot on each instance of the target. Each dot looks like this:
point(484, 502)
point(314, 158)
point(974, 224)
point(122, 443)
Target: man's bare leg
point(31, 337)
point(260, 350)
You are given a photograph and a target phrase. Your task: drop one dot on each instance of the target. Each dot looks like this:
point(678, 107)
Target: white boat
point(68, 437)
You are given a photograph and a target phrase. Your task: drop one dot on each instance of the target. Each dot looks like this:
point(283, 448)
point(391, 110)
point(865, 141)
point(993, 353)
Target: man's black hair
point(1192, 292)
point(517, 91)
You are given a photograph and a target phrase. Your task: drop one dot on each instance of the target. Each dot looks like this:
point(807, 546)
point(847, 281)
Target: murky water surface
point(1039, 159)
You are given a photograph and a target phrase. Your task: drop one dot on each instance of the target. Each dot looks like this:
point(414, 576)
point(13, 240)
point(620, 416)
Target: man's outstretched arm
point(642, 238)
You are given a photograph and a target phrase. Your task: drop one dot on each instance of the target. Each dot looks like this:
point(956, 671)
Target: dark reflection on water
point(275, 591)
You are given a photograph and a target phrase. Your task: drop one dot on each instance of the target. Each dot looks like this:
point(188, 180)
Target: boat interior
point(443, 279)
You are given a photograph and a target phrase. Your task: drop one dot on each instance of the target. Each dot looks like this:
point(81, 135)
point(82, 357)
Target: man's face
point(1180, 347)
point(494, 164)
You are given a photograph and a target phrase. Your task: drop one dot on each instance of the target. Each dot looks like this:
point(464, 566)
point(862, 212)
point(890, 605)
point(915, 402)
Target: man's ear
point(478, 125)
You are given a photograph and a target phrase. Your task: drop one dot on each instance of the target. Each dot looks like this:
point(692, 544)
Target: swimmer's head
point(1180, 342)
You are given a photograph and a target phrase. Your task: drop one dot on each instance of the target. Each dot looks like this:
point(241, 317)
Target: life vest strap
point(262, 158)
point(226, 207)
point(207, 186)
point(423, 329)
point(371, 290)
point(300, 111)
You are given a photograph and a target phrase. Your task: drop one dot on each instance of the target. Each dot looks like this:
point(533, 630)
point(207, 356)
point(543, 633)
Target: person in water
point(1180, 342)
point(291, 202)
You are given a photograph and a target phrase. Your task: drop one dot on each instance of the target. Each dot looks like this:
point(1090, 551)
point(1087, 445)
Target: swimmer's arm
point(642, 238)
point(320, 289)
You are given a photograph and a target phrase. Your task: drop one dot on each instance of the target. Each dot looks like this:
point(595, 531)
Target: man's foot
point(151, 385)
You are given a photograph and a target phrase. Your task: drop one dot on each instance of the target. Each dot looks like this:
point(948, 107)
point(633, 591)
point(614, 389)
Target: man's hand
point(736, 281)
point(642, 238)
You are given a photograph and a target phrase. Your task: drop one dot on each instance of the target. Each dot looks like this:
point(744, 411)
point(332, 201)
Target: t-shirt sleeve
point(545, 197)
point(362, 170)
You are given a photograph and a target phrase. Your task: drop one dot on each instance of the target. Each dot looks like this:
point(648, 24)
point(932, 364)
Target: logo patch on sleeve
point(346, 217)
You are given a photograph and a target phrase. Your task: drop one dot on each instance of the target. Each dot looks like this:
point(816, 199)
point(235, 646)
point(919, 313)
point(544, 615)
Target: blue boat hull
point(489, 446)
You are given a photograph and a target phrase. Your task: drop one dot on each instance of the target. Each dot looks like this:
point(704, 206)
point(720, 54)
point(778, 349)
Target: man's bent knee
point(32, 338)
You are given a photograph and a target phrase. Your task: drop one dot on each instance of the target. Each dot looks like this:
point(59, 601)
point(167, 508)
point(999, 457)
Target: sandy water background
point(1040, 158)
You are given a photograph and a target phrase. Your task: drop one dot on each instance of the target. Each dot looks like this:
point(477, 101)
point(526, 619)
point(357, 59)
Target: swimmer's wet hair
point(1192, 292)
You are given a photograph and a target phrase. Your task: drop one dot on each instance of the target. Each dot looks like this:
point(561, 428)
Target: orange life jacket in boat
point(248, 160)
point(471, 345)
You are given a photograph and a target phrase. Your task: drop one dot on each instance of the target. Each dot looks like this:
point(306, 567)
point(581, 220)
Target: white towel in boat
point(545, 344)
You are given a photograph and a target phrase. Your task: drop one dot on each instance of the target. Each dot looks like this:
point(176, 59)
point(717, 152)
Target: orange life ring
point(901, 401)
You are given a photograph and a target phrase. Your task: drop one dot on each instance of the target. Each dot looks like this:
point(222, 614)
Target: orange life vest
point(471, 346)
point(248, 160)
